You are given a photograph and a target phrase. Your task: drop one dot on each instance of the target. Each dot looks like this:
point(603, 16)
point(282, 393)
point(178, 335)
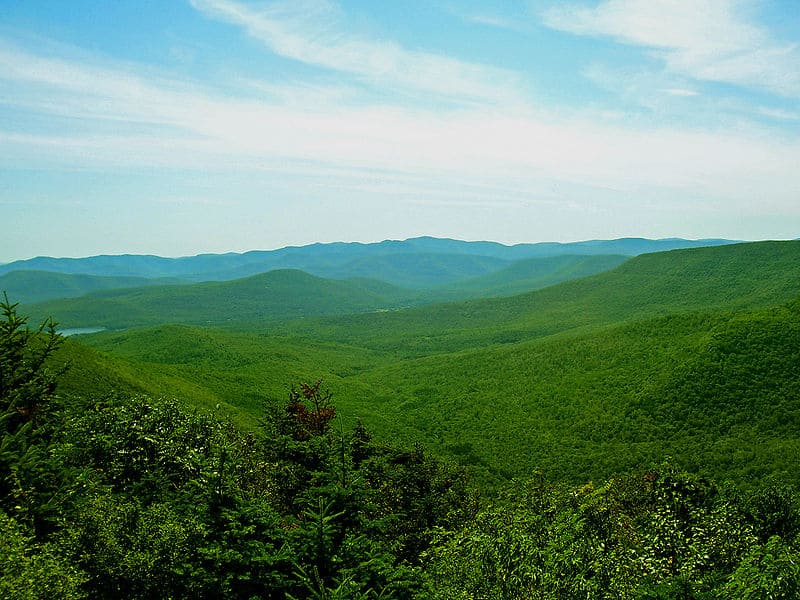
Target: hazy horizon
point(202, 253)
point(213, 126)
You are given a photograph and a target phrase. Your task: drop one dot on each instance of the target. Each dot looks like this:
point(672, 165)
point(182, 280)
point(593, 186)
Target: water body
point(80, 330)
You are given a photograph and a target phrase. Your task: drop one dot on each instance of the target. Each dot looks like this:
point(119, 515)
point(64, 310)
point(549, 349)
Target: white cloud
point(519, 24)
point(680, 92)
point(159, 121)
point(779, 113)
point(493, 21)
point(310, 31)
point(710, 40)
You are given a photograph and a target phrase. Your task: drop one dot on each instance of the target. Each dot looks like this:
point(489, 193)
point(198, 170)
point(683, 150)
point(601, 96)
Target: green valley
point(580, 379)
point(630, 431)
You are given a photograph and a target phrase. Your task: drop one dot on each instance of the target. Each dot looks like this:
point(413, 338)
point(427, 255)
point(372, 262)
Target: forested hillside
point(268, 297)
point(581, 379)
point(37, 286)
point(630, 434)
point(278, 319)
point(682, 281)
point(122, 496)
point(393, 274)
point(521, 276)
point(283, 294)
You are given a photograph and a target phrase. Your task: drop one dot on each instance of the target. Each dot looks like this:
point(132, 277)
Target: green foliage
point(155, 501)
point(151, 449)
point(656, 534)
point(690, 354)
point(768, 572)
point(740, 276)
point(716, 390)
point(115, 302)
point(29, 571)
point(130, 548)
point(26, 382)
point(721, 277)
point(27, 389)
point(774, 510)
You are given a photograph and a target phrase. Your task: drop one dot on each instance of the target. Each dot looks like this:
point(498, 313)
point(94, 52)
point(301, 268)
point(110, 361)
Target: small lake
point(80, 330)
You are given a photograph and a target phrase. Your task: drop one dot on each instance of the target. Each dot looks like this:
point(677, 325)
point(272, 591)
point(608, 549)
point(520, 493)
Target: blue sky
point(177, 127)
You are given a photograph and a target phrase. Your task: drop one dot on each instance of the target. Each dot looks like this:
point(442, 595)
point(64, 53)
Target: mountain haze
point(330, 260)
point(37, 286)
point(281, 294)
point(746, 275)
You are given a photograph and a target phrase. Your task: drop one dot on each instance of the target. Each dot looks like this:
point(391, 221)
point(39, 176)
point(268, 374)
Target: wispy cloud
point(517, 151)
point(311, 31)
point(163, 121)
point(779, 113)
point(654, 92)
point(680, 92)
point(714, 40)
point(491, 19)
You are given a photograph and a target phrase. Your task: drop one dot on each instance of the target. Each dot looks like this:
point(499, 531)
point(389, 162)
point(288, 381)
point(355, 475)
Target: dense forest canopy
point(689, 353)
point(645, 448)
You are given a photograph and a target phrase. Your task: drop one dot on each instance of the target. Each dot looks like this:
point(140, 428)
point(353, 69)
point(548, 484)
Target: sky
point(176, 127)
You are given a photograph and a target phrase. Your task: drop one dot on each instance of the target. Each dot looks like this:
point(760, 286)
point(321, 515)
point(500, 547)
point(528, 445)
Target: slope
point(726, 277)
point(266, 297)
point(720, 393)
point(96, 375)
point(239, 369)
point(37, 286)
point(694, 354)
point(527, 275)
point(414, 270)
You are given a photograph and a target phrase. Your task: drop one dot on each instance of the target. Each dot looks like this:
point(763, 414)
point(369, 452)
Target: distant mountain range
point(435, 260)
point(425, 269)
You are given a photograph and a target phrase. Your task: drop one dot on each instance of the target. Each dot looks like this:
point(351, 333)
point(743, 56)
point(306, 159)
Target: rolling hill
point(414, 270)
point(527, 275)
point(270, 296)
point(37, 286)
point(728, 277)
point(286, 294)
point(690, 353)
point(717, 392)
